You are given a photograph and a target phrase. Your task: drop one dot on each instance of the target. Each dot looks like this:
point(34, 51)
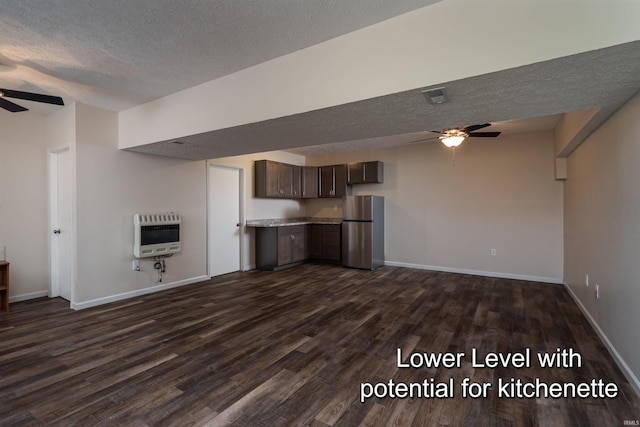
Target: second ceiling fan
point(453, 137)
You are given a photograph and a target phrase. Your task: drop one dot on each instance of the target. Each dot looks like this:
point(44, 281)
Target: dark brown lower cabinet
point(326, 242)
point(277, 247)
point(291, 244)
point(315, 241)
point(287, 246)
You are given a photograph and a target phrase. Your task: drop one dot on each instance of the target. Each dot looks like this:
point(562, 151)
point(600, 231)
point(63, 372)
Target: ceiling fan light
point(452, 141)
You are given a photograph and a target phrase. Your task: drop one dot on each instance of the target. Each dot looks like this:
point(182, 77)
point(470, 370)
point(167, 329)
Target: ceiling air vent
point(435, 95)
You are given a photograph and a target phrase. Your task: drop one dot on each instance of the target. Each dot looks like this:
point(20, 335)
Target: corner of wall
point(576, 126)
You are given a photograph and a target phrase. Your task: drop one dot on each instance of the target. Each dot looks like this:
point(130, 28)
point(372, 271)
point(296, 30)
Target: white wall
point(111, 186)
point(23, 202)
point(262, 208)
point(406, 52)
point(499, 194)
point(602, 232)
point(24, 196)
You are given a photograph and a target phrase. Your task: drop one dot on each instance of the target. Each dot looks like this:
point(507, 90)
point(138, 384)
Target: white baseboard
point(25, 297)
point(626, 370)
point(554, 280)
point(138, 292)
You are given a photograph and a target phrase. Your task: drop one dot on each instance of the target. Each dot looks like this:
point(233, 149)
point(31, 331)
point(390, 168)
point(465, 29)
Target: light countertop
point(283, 222)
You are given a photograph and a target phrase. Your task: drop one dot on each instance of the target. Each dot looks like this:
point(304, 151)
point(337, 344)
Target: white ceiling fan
point(453, 137)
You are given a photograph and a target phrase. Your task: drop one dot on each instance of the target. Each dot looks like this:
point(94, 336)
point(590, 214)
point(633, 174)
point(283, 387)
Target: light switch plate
point(2, 257)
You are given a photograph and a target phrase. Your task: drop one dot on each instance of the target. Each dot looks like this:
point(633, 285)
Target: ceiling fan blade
point(484, 134)
point(10, 106)
point(475, 127)
point(423, 139)
point(29, 96)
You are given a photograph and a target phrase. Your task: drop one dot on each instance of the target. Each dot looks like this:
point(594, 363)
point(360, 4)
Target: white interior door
point(225, 228)
point(61, 229)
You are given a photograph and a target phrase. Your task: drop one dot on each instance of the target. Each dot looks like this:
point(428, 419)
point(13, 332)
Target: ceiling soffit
point(604, 78)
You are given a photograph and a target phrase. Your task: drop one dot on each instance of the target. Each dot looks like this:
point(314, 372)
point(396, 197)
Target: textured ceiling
point(534, 124)
point(116, 54)
point(604, 78)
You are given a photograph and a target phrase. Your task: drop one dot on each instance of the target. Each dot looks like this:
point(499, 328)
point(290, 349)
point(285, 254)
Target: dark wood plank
point(293, 348)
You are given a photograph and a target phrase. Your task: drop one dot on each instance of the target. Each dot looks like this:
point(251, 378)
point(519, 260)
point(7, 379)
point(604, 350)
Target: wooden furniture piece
point(4, 287)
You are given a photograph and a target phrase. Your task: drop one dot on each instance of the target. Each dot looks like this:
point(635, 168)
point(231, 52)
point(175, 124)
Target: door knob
point(238, 225)
point(57, 231)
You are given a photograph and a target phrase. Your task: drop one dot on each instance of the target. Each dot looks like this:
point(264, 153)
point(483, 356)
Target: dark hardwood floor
point(294, 348)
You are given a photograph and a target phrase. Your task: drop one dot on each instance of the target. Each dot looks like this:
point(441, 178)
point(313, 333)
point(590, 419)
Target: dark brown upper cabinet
point(309, 182)
point(332, 181)
point(282, 180)
point(275, 179)
point(365, 173)
point(296, 181)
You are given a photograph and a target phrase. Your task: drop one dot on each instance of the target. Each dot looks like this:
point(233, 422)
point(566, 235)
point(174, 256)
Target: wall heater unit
point(156, 234)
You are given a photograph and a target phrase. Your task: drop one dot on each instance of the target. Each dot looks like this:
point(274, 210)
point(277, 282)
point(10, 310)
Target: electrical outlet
point(586, 280)
point(493, 252)
point(597, 291)
point(135, 265)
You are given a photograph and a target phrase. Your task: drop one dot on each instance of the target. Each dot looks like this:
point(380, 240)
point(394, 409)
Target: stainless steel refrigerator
point(363, 231)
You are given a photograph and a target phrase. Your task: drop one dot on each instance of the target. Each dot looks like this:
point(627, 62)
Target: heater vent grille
point(156, 234)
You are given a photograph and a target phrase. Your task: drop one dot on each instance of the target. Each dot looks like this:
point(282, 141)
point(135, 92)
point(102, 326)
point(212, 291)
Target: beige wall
point(602, 231)
point(111, 186)
point(500, 194)
point(23, 202)
point(24, 210)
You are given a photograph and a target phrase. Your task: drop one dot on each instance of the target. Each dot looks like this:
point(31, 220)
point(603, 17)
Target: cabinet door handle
point(293, 237)
point(57, 231)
